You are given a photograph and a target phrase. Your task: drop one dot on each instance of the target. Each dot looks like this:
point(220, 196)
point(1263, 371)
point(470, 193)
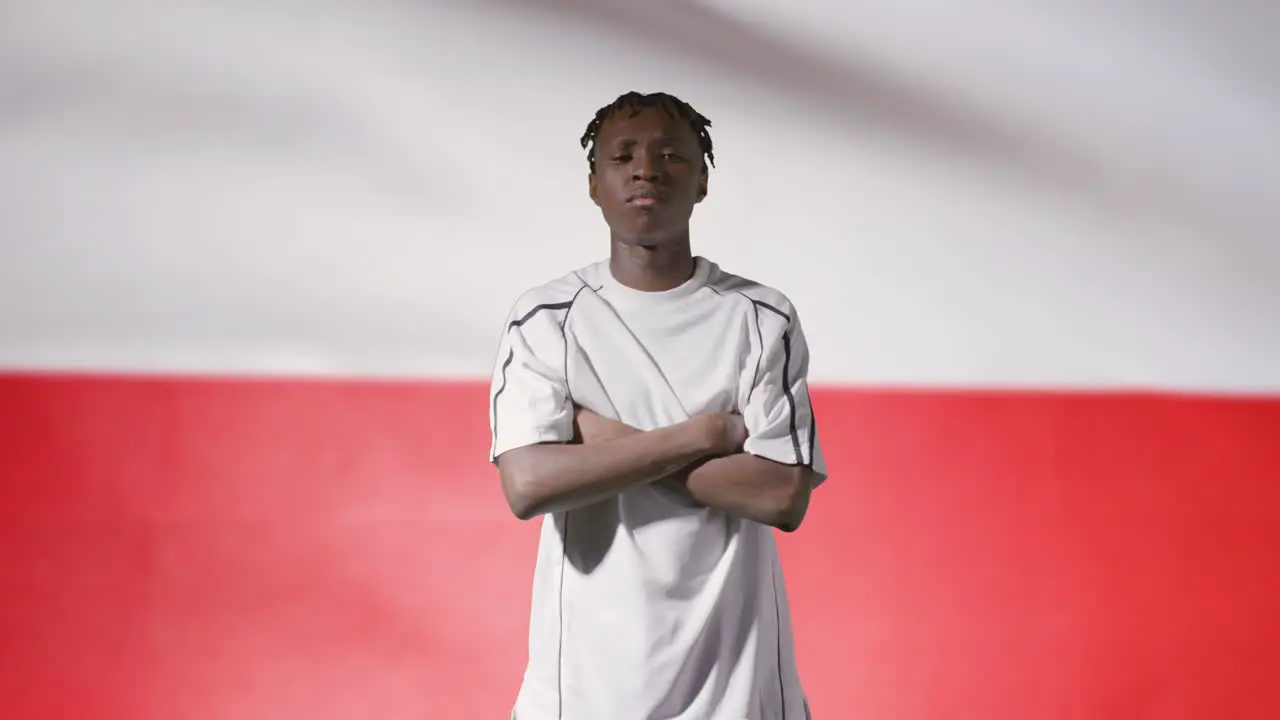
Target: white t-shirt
point(645, 608)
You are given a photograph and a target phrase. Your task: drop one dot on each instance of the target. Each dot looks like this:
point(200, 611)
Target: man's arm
point(781, 460)
point(542, 466)
point(752, 487)
point(538, 479)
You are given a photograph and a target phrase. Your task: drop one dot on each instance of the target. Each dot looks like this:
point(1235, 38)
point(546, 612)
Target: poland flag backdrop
point(255, 257)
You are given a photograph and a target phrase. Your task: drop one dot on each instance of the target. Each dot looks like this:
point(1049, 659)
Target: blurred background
point(255, 258)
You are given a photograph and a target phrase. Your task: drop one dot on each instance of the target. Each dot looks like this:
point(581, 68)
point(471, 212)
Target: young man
point(656, 408)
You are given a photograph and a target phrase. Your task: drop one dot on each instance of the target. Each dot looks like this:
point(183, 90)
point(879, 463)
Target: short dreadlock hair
point(635, 102)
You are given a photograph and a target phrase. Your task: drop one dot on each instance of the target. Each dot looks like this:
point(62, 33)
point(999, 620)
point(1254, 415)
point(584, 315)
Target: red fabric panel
point(253, 549)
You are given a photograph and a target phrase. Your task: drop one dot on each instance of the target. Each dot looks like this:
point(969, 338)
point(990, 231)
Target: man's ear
point(591, 188)
point(702, 186)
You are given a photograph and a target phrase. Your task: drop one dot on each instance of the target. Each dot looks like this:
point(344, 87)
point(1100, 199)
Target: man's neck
point(652, 269)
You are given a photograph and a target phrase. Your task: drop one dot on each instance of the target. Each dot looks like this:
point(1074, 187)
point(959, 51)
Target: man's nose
point(644, 168)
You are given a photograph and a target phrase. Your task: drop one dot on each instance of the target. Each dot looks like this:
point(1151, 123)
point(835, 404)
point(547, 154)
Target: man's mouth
point(644, 198)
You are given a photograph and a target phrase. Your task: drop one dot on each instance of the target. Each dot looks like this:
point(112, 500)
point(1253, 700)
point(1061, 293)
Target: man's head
point(649, 157)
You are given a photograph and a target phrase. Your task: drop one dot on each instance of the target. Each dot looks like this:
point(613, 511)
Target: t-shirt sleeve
point(779, 415)
point(528, 396)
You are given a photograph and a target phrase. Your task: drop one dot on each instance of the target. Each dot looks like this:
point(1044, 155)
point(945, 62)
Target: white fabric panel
point(980, 192)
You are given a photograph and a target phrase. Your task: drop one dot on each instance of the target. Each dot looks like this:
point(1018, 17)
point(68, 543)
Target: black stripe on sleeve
point(493, 442)
point(539, 308)
point(786, 377)
point(759, 358)
point(511, 354)
point(564, 321)
point(767, 306)
point(813, 428)
point(791, 398)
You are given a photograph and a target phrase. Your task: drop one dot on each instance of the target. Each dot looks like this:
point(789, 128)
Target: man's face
point(649, 175)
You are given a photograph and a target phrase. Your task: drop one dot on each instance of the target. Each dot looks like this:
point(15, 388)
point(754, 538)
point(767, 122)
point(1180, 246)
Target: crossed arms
point(701, 458)
point(555, 455)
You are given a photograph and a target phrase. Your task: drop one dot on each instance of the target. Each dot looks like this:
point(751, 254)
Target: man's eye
point(622, 158)
point(672, 156)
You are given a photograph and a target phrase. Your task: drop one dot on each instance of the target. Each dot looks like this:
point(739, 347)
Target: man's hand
point(726, 433)
point(610, 458)
point(718, 433)
point(721, 476)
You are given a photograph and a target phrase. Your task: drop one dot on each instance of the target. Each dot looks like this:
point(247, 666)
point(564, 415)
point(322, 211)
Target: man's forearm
point(539, 479)
point(752, 487)
point(746, 485)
